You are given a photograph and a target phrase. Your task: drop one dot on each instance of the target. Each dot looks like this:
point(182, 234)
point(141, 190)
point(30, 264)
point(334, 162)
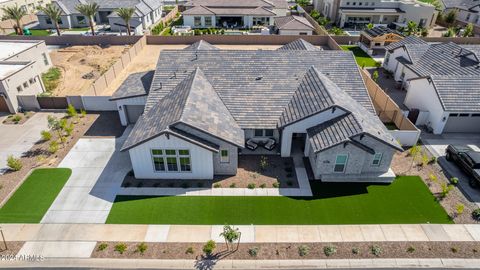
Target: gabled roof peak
point(201, 45)
point(299, 45)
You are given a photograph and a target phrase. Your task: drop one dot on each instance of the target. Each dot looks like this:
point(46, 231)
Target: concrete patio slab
point(185, 233)
point(393, 232)
point(57, 249)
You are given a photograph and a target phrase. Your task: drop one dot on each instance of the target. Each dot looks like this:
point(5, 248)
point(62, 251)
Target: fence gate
point(52, 102)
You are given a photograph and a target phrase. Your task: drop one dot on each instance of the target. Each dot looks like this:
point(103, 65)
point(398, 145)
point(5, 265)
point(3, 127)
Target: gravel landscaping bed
point(18, 118)
point(283, 251)
point(403, 164)
point(13, 247)
point(39, 156)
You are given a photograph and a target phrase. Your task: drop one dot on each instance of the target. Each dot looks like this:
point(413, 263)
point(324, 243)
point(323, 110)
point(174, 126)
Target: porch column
point(381, 19)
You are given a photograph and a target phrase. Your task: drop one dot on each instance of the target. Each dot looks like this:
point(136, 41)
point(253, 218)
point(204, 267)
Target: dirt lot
point(82, 65)
point(147, 60)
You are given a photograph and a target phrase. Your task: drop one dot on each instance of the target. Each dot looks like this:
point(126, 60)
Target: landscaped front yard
point(33, 198)
point(407, 200)
point(362, 58)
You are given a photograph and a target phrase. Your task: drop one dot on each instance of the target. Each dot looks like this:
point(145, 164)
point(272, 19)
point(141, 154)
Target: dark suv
point(467, 159)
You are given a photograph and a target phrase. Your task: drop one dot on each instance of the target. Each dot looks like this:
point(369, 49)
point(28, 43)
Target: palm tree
point(89, 10)
point(411, 28)
point(14, 13)
point(126, 14)
point(54, 13)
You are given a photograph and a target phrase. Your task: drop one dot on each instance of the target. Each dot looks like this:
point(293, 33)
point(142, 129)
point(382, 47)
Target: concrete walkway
point(18, 139)
point(248, 264)
point(98, 169)
point(78, 240)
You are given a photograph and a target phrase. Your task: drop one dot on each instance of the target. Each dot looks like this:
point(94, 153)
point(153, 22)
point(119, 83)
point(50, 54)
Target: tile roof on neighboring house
point(299, 45)
point(461, 4)
point(236, 3)
point(446, 59)
point(407, 40)
point(201, 45)
point(293, 23)
point(142, 7)
point(192, 102)
point(135, 85)
point(256, 85)
point(458, 93)
point(380, 31)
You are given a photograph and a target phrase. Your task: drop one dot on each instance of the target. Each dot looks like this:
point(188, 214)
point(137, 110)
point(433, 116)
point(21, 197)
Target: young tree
point(468, 32)
point(54, 13)
point(370, 26)
point(14, 13)
point(126, 14)
point(231, 235)
point(375, 76)
point(89, 11)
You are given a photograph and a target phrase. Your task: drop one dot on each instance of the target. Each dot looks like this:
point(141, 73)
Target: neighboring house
point(206, 106)
point(293, 25)
point(147, 13)
point(377, 38)
point(21, 66)
point(468, 11)
point(442, 82)
point(232, 13)
point(358, 13)
point(30, 6)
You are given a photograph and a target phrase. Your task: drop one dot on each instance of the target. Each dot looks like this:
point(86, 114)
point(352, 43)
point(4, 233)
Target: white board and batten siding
point(201, 159)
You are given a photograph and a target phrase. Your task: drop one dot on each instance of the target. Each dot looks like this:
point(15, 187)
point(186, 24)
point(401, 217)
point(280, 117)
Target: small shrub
point(209, 247)
point(355, 251)
point(454, 249)
point(263, 185)
point(411, 249)
point(46, 135)
point(276, 185)
point(121, 248)
point(53, 147)
point(459, 208)
point(425, 160)
point(329, 250)
point(303, 250)
point(102, 246)
point(263, 163)
point(432, 178)
point(233, 185)
point(83, 113)
point(71, 111)
point(189, 250)
point(453, 180)
point(16, 118)
point(445, 190)
point(142, 247)
point(15, 164)
point(251, 186)
point(432, 160)
point(376, 250)
point(217, 185)
point(476, 214)
point(253, 252)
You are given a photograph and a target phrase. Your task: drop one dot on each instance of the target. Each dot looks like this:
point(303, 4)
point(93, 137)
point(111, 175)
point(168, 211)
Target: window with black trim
point(377, 159)
point(224, 156)
point(340, 163)
point(171, 160)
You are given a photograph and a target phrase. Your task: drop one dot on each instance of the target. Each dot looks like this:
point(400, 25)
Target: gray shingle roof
point(407, 40)
point(193, 102)
point(299, 45)
point(446, 59)
point(201, 45)
point(458, 93)
point(380, 31)
point(135, 85)
point(293, 23)
point(256, 86)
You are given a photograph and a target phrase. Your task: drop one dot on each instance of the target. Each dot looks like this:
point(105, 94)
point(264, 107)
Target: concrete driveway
point(98, 169)
point(437, 144)
point(18, 139)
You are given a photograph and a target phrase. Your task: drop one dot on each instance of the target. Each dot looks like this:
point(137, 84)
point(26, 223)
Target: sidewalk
point(248, 264)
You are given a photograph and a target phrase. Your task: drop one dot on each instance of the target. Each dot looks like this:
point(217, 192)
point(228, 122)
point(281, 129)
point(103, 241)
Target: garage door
point(463, 122)
point(133, 112)
point(3, 105)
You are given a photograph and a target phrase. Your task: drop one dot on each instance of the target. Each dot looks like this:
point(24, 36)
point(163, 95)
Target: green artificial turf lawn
point(407, 200)
point(33, 198)
point(360, 56)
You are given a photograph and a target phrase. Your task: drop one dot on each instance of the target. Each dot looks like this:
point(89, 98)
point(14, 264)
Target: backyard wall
point(71, 40)
point(236, 39)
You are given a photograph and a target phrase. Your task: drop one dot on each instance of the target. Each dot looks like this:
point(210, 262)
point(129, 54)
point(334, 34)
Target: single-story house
point(441, 80)
point(147, 13)
point(293, 25)
point(377, 38)
point(22, 63)
point(207, 106)
point(232, 13)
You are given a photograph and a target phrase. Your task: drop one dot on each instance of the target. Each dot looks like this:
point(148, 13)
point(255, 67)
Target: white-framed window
point(208, 21)
point(340, 163)
point(224, 156)
point(197, 21)
point(377, 158)
point(171, 160)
